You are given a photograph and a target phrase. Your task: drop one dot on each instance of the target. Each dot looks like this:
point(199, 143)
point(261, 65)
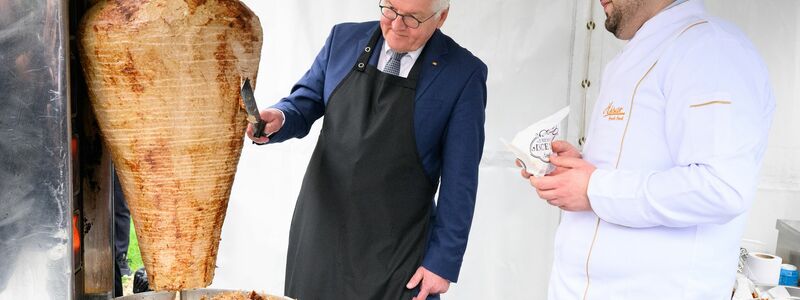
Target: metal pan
point(194, 294)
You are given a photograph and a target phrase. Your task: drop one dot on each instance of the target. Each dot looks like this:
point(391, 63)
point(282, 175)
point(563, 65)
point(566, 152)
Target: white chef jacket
point(677, 135)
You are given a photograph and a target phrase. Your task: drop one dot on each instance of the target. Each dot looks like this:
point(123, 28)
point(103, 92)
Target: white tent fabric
point(538, 53)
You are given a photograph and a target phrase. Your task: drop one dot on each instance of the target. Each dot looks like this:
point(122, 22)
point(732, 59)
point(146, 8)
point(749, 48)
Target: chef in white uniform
point(655, 206)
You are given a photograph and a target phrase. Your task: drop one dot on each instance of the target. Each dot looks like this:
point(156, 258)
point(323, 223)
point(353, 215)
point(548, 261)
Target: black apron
point(360, 225)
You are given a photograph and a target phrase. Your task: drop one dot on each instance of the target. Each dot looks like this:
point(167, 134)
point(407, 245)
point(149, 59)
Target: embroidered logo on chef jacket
point(614, 113)
point(541, 144)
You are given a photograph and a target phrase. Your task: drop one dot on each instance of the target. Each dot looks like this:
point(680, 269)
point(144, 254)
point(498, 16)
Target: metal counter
point(788, 246)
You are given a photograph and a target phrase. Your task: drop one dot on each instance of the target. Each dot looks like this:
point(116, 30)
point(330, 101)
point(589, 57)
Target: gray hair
point(439, 6)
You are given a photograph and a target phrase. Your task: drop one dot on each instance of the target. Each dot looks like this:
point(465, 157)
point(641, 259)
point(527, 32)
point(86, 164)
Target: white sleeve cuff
point(283, 117)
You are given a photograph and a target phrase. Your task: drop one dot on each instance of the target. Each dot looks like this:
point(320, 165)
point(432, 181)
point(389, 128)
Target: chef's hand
point(432, 284)
point(567, 189)
point(560, 148)
point(564, 149)
point(523, 171)
point(274, 119)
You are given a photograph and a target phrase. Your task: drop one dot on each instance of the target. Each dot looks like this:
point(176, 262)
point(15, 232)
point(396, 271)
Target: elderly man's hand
point(274, 119)
point(432, 284)
point(567, 188)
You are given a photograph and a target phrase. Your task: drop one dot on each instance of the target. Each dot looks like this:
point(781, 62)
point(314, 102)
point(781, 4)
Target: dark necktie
point(393, 65)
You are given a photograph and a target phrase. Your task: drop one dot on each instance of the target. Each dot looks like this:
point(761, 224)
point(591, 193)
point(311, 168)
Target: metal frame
point(35, 170)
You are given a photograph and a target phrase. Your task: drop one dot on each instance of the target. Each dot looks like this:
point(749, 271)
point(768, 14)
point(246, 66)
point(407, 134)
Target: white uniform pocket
point(709, 129)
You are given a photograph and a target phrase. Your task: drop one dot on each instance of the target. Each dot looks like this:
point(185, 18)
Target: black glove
point(140, 284)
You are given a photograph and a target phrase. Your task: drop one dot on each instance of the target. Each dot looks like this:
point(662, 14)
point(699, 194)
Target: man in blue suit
point(404, 108)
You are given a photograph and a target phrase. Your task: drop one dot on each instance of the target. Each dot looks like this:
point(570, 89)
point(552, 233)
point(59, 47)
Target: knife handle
point(258, 131)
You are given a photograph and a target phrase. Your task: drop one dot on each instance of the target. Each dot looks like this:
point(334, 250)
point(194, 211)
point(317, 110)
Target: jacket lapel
point(433, 62)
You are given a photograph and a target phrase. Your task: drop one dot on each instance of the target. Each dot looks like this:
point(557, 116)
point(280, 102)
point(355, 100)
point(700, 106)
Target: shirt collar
point(414, 54)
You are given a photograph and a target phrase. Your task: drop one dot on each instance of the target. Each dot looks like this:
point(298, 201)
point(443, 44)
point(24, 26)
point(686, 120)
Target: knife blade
point(250, 106)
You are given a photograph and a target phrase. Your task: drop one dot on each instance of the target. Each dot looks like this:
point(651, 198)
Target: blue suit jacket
point(448, 121)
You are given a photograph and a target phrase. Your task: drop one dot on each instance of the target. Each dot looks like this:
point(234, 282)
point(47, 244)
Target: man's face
point(402, 38)
point(620, 14)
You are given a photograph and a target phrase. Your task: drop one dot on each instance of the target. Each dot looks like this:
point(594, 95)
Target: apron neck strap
point(361, 64)
point(417, 68)
point(366, 54)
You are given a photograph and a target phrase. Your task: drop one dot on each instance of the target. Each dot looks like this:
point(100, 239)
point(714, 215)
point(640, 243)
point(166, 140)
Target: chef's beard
point(623, 12)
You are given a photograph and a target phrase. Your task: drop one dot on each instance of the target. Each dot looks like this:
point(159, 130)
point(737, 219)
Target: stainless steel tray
point(794, 292)
point(195, 294)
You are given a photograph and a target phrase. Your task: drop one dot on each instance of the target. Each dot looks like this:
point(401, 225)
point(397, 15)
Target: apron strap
point(361, 63)
point(417, 68)
point(366, 54)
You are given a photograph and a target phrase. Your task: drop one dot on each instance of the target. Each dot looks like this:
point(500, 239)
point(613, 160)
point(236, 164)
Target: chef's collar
point(675, 3)
point(670, 17)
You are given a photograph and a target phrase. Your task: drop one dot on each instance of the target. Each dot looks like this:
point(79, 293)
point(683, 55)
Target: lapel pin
point(435, 63)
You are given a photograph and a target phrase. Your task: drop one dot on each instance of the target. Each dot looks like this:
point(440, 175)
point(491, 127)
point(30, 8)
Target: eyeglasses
point(410, 21)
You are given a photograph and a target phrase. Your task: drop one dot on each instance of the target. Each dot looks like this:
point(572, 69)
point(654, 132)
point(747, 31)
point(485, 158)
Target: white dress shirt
point(677, 135)
point(405, 63)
